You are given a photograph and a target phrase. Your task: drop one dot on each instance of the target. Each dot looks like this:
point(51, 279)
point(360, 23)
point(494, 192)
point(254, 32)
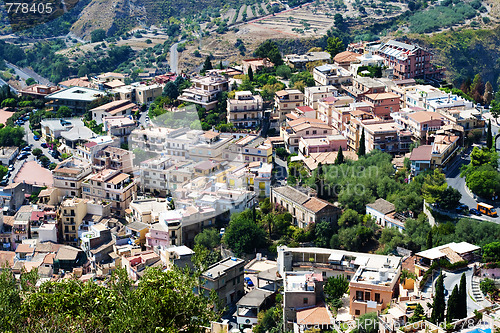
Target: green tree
point(335, 287)
point(349, 218)
point(323, 232)
point(434, 186)
point(429, 242)
point(97, 35)
point(284, 71)
point(171, 90)
point(450, 198)
point(495, 108)
point(462, 298)
point(37, 152)
point(164, 301)
point(204, 258)
point(418, 314)
point(484, 181)
point(30, 81)
point(209, 238)
point(362, 147)
point(318, 180)
point(439, 304)
point(491, 252)
point(488, 93)
point(453, 306)
point(243, 235)
point(269, 49)
point(64, 112)
point(477, 89)
point(368, 323)
point(489, 136)
point(334, 46)
point(250, 74)
point(207, 65)
point(340, 157)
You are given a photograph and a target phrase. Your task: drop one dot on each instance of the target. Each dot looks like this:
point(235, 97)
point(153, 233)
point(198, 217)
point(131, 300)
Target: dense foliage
point(162, 301)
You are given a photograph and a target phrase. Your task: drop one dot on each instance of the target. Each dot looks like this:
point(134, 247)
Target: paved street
point(450, 280)
point(36, 144)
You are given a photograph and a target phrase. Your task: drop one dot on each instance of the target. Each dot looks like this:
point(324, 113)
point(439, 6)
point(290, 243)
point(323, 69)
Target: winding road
point(174, 57)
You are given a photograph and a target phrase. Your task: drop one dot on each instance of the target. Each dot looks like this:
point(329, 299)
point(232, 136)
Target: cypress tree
point(439, 304)
point(429, 240)
point(452, 311)
point(319, 181)
point(362, 147)
point(489, 136)
point(340, 157)
point(207, 65)
point(221, 66)
point(250, 74)
point(462, 298)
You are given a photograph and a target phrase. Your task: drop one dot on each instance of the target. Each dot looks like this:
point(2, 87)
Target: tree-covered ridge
point(467, 52)
point(161, 302)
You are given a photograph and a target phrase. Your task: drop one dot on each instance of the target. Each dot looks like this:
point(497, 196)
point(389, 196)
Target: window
point(367, 295)
point(306, 300)
point(377, 297)
point(359, 295)
point(357, 312)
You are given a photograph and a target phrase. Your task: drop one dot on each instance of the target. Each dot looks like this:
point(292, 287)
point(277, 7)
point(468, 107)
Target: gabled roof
point(383, 206)
point(422, 153)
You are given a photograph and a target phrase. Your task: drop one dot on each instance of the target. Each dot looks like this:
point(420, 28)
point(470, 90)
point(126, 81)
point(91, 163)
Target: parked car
point(248, 282)
point(44, 145)
point(11, 167)
point(36, 137)
point(462, 209)
point(4, 182)
point(22, 156)
point(475, 211)
point(222, 231)
point(27, 148)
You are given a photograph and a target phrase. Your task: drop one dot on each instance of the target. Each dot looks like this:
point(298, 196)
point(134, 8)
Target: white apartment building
point(245, 110)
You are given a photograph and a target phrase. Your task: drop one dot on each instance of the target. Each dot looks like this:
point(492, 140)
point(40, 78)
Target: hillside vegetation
point(467, 52)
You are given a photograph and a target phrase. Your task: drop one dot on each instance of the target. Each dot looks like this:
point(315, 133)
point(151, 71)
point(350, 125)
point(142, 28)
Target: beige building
point(285, 101)
point(313, 94)
point(331, 74)
point(334, 111)
point(305, 208)
point(373, 279)
point(115, 108)
point(303, 127)
point(148, 210)
point(162, 175)
point(226, 279)
point(70, 215)
point(110, 186)
point(114, 158)
point(250, 148)
point(245, 110)
point(204, 90)
point(68, 176)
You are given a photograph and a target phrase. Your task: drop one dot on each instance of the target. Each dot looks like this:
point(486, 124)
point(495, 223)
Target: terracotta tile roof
point(422, 153)
point(24, 248)
point(315, 204)
point(423, 116)
point(346, 56)
point(318, 315)
point(7, 257)
point(382, 96)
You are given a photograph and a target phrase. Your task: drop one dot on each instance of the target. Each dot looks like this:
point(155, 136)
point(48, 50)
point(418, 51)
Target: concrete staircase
point(476, 291)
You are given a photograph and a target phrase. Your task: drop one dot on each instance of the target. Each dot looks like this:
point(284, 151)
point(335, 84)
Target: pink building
point(157, 236)
point(135, 265)
point(382, 104)
point(322, 144)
